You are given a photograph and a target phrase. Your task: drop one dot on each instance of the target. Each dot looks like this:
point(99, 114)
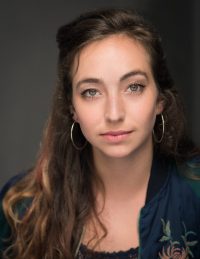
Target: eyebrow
point(88, 80)
point(124, 77)
point(133, 73)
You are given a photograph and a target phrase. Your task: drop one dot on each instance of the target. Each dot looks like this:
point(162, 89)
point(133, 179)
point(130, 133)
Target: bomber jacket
point(169, 222)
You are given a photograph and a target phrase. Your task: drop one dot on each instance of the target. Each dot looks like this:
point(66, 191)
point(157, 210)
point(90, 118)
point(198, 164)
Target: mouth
point(116, 133)
point(116, 136)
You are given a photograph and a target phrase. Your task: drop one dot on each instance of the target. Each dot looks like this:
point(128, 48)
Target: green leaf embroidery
point(175, 243)
point(192, 243)
point(190, 253)
point(168, 231)
point(190, 233)
point(163, 224)
point(166, 228)
point(164, 238)
point(184, 238)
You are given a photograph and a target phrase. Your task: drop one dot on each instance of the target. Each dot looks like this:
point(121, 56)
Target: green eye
point(135, 87)
point(90, 93)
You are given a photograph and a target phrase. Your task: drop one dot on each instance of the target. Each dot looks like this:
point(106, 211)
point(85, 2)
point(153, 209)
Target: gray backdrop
point(28, 55)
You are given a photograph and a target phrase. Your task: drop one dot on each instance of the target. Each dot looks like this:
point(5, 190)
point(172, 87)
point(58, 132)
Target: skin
point(105, 102)
point(115, 101)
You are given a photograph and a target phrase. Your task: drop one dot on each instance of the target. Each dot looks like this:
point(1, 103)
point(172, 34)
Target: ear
point(160, 106)
point(74, 114)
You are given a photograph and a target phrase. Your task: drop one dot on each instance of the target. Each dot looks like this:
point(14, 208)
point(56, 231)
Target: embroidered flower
point(174, 249)
point(173, 252)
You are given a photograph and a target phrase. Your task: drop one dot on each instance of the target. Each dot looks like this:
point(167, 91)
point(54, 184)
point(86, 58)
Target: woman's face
point(115, 98)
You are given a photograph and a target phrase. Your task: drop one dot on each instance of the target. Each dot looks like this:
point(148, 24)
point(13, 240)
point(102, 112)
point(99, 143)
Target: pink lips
point(116, 136)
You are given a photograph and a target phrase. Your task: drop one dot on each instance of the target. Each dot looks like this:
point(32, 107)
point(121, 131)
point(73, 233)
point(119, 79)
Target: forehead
point(116, 52)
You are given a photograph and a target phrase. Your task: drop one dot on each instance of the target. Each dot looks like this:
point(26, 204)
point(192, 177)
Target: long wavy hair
point(57, 195)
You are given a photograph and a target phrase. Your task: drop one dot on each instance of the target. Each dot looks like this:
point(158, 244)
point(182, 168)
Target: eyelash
point(92, 92)
point(87, 93)
point(137, 87)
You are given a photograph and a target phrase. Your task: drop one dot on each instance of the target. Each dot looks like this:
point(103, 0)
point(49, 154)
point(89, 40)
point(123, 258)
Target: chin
point(117, 152)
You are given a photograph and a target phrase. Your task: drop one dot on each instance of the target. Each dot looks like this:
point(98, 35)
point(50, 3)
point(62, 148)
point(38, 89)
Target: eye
point(136, 87)
point(90, 93)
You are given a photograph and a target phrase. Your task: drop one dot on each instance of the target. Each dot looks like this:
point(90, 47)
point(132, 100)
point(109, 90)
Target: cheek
point(87, 124)
point(87, 118)
point(145, 114)
point(86, 112)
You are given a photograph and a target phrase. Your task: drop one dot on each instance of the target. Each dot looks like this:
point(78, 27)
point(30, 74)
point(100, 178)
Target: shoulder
point(5, 230)
point(189, 172)
point(11, 182)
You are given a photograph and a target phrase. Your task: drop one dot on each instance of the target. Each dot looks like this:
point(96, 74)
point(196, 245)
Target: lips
point(116, 136)
point(116, 133)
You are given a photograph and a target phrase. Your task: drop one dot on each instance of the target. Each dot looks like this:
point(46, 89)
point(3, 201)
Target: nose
point(114, 110)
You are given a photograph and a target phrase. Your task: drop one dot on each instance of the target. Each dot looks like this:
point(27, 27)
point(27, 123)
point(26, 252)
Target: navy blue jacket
point(169, 223)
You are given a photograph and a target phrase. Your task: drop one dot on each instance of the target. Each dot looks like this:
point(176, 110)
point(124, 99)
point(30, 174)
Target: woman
point(110, 180)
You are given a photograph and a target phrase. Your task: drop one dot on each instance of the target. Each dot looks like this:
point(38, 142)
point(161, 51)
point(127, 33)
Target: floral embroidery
point(174, 249)
point(173, 252)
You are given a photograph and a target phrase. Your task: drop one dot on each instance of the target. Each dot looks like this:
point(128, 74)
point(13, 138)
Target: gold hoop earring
point(72, 139)
point(163, 131)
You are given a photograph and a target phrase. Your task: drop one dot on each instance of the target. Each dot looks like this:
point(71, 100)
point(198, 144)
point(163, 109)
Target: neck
point(124, 178)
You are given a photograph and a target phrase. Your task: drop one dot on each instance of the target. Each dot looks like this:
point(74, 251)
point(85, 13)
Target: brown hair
point(60, 185)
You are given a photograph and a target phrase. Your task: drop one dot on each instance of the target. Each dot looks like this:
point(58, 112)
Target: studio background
point(28, 60)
